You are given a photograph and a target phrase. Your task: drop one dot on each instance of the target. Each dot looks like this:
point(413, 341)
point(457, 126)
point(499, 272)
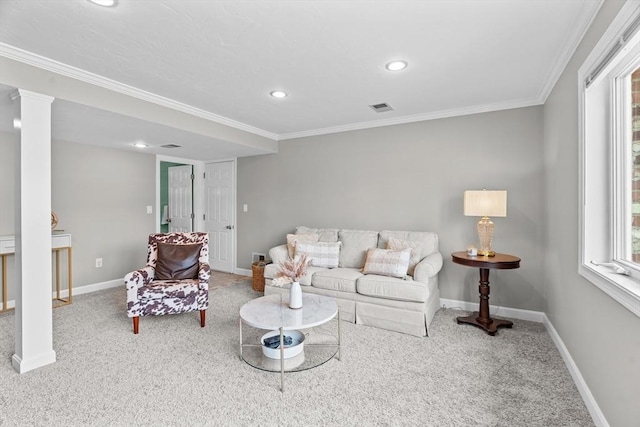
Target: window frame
point(622, 120)
point(602, 162)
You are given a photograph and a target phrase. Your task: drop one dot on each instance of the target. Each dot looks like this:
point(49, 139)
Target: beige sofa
point(405, 304)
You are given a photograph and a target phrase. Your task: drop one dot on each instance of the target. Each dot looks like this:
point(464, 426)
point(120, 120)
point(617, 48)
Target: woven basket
point(257, 268)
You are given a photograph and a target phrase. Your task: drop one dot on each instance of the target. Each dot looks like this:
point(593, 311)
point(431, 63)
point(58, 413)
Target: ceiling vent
point(170, 146)
point(381, 108)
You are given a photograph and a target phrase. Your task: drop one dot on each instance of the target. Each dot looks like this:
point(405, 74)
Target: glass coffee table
point(272, 313)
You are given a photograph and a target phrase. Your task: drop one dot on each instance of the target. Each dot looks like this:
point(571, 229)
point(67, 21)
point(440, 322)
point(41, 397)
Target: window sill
point(623, 289)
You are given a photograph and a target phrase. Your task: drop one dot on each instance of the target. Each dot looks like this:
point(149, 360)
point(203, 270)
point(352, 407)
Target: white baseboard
point(498, 311)
point(81, 290)
point(243, 272)
point(98, 286)
point(592, 406)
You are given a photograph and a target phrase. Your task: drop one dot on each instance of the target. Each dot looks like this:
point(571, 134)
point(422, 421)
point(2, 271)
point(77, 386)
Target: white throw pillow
point(355, 244)
point(326, 234)
point(321, 254)
point(387, 262)
point(293, 238)
point(416, 250)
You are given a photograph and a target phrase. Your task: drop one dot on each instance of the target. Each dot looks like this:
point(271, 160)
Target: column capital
point(23, 93)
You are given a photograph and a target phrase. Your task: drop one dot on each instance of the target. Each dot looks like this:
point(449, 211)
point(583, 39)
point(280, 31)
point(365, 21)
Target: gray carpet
point(176, 373)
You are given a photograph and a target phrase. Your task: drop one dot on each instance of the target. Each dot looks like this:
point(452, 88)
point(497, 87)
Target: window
point(630, 251)
point(610, 161)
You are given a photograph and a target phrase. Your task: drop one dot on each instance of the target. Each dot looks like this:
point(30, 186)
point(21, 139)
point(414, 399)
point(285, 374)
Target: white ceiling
point(222, 58)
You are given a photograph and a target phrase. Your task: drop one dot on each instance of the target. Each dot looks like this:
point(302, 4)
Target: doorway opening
point(176, 197)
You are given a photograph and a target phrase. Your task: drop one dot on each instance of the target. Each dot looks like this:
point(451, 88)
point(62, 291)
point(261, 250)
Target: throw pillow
point(326, 234)
point(293, 238)
point(177, 262)
point(321, 254)
point(387, 262)
point(416, 250)
point(355, 244)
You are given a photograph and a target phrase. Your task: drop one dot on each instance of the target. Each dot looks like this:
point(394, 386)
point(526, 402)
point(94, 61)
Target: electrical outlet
point(257, 257)
point(149, 209)
point(98, 262)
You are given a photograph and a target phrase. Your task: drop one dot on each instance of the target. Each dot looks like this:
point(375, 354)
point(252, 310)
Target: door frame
point(198, 189)
point(198, 197)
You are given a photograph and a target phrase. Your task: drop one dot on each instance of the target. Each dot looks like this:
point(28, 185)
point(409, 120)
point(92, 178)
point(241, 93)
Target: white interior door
point(219, 215)
point(180, 198)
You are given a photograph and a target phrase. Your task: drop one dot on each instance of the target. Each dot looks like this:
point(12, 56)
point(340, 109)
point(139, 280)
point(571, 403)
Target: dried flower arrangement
point(291, 270)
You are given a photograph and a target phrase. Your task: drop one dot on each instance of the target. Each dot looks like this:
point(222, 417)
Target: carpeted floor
point(176, 373)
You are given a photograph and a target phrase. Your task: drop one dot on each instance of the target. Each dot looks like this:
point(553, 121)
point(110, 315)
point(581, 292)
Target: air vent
point(170, 146)
point(381, 108)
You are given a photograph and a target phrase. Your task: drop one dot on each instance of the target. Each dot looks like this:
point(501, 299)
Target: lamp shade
point(485, 203)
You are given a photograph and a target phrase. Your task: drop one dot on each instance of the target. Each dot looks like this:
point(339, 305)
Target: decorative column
point(33, 311)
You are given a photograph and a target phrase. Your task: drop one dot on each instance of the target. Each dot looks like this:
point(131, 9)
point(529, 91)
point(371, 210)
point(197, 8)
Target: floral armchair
point(175, 279)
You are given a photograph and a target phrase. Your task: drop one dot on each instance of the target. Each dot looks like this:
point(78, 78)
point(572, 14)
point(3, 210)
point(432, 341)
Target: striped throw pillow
point(321, 254)
point(292, 239)
point(387, 262)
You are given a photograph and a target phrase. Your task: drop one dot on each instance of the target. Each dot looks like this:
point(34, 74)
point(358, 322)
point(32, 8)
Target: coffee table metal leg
point(339, 336)
point(281, 359)
point(240, 337)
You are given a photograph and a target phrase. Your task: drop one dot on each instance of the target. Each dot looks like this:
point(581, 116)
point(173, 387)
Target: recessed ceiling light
point(396, 65)
point(140, 145)
point(278, 94)
point(105, 3)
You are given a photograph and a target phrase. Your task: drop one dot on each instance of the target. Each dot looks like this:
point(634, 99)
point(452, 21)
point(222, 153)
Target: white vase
point(295, 296)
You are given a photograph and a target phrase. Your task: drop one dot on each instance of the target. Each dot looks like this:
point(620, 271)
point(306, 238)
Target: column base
point(22, 366)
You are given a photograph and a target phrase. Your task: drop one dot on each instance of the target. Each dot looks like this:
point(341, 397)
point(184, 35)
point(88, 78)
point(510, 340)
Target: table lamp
point(484, 204)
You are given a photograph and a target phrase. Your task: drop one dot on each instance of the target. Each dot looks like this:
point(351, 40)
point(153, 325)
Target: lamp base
point(486, 253)
point(485, 235)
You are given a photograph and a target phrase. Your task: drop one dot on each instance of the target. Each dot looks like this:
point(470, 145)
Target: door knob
point(229, 227)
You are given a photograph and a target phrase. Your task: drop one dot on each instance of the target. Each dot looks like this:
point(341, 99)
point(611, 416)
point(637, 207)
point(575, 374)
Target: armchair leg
point(203, 315)
point(136, 323)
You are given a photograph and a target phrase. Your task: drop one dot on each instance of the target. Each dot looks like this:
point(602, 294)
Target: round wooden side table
point(482, 319)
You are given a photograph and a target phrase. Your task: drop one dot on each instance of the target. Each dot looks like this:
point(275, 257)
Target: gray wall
point(100, 196)
point(602, 336)
point(409, 177)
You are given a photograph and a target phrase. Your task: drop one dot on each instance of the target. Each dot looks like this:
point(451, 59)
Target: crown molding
point(583, 23)
point(414, 118)
point(589, 12)
point(48, 64)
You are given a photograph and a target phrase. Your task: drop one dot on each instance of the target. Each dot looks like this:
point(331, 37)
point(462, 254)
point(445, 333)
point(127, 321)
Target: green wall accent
point(164, 190)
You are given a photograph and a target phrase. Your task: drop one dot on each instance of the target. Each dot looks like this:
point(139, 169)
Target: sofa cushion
point(326, 234)
point(392, 288)
point(337, 279)
point(311, 271)
point(355, 244)
point(415, 247)
point(387, 262)
point(271, 272)
point(293, 238)
point(159, 289)
point(321, 254)
point(428, 239)
point(176, 262)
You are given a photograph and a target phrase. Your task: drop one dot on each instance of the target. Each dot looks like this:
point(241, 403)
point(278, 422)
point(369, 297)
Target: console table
point(59, 242)
point(484, 263)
